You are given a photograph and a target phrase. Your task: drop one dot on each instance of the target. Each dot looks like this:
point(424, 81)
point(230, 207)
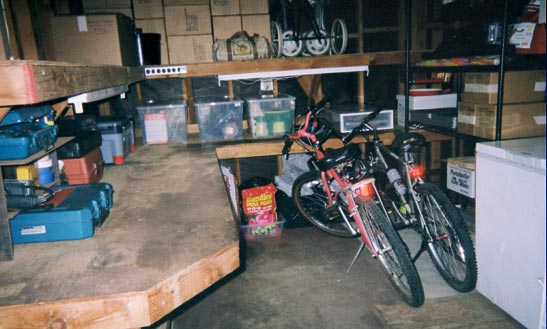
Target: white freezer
point(510, 226)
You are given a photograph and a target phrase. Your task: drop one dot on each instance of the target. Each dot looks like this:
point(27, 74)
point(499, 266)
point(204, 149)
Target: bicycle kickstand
point(423, 248)
point(359, 251)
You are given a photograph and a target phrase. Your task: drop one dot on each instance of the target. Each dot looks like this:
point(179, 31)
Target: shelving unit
point(501, 66)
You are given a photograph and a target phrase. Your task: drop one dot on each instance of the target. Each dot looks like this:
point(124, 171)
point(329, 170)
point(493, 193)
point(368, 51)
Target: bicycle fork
point(366, 240)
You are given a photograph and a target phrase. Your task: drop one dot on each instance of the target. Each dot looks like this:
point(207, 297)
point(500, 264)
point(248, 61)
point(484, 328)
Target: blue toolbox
point(25, 131)
point(72, 214)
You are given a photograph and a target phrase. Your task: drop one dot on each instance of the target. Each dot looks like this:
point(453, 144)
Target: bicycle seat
point(415, 140)
point(334, 157)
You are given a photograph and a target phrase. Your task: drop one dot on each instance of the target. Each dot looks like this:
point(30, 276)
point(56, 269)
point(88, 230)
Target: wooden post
point(189, 98)
point(237, 170)
point(360, 45)
point(280, 165)
point(230, 89)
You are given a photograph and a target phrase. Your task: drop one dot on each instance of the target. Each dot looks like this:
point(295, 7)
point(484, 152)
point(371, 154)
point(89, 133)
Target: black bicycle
point(412, 203)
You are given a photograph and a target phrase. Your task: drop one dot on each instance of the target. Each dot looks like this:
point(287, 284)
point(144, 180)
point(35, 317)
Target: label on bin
point(155, 126)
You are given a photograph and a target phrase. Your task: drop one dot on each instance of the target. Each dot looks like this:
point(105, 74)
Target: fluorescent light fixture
point(292, 73)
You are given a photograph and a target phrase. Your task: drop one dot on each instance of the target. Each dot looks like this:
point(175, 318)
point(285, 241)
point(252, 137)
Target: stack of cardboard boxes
point(188, 28)
point(150, 18)
point(233, 16)
point(189, 31)
point(523, 111)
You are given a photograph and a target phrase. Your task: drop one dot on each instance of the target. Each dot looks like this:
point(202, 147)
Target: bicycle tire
point(451, 248)
point(310, 198)
point(392, 254)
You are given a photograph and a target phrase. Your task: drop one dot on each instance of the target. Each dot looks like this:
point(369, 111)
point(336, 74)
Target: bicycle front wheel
point(392, 254)
point(311, 200)
point(450, 245)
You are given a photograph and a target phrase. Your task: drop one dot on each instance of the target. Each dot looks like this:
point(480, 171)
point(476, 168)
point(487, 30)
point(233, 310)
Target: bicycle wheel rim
point(311, 200)
point(454, 258)
point(392, 254)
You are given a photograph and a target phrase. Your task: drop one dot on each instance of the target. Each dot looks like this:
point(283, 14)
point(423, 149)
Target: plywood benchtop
point(170, 235)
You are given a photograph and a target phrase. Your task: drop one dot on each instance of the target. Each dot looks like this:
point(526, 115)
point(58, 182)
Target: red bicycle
point(338, 197)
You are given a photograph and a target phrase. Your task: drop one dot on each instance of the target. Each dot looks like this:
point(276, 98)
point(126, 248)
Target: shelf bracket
point(96, 95)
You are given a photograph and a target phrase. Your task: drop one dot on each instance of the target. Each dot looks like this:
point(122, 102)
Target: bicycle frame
point(349, 190)
point(412, 176)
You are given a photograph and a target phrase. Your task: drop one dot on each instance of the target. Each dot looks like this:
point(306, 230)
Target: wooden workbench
point(170, 235)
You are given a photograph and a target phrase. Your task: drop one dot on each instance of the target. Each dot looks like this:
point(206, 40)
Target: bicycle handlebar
point(363, 125)
point(310, 115)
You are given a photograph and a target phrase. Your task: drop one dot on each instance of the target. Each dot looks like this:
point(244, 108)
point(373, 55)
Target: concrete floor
point(299, 280)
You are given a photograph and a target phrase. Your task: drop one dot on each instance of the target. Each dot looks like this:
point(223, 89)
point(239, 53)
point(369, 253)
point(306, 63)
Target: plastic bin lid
point(171, 103)
point(217, 100)
point(260, 98)
point(25, 114)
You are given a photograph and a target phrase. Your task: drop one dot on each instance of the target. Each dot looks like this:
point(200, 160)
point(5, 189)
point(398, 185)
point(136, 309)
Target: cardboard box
point(518, 120)
point(186, 49)
point(519, 87)
point(105, 4)
point(155, 25)
point(95, 39)
point(225, 26)
point(251, 7)
point(148, 9)
point(188, 20)
point(460, 175)
point(466, 118)
point(224, 7)
point(259, 24)
point(184, 2)
point(124, 11)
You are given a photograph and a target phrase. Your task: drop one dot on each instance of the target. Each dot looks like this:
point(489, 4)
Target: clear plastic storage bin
point(270, 116)
point(219, 118)
point(163, 123)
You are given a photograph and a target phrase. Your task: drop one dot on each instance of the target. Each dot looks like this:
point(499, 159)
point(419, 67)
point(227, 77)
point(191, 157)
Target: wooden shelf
point(294, 63)
point(31, 82)
point(168, 237)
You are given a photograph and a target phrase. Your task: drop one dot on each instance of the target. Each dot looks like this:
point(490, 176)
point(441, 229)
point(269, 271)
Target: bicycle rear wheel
point(451, 247)
point(392, 254)
point(311, 200)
